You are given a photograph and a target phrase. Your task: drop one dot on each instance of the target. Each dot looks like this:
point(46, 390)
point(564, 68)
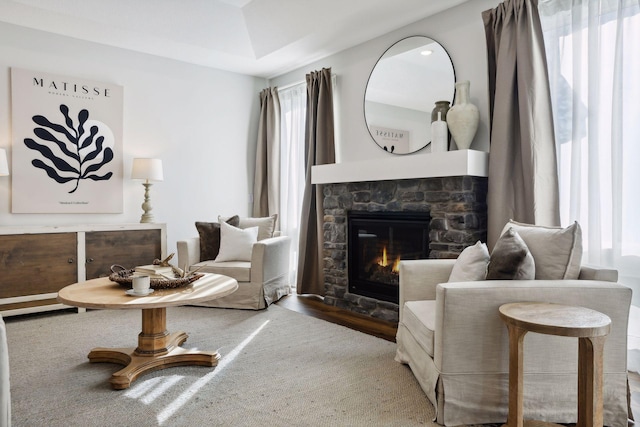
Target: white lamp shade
point(4, 166)
point(149, 169)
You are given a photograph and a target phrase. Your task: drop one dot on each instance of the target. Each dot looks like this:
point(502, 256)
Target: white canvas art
point(67, 144)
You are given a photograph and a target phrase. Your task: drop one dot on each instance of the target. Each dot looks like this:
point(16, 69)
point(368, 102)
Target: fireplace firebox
point(376, 243)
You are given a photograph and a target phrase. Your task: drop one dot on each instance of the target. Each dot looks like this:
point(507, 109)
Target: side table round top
point(556, 319)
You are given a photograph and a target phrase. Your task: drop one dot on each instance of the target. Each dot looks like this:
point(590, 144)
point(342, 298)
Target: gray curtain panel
point(523, 176)
point(266, 187)
point(319, 150)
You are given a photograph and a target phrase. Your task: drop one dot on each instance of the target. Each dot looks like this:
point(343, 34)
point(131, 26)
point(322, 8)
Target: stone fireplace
point(454, 203)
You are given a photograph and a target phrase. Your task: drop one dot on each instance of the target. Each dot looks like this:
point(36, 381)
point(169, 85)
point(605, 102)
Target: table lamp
point(149, 170)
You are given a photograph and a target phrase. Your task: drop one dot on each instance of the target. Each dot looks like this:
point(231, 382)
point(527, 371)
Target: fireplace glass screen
point(377, 241)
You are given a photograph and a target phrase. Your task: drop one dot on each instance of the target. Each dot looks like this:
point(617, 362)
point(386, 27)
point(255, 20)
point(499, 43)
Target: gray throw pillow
point(210, 237)
point(511, 259)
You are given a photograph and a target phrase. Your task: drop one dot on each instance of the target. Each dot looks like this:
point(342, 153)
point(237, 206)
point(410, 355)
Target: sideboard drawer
point(37, 263)
point(126, 248)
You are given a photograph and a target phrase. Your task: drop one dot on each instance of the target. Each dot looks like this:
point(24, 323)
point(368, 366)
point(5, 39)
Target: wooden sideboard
point(36, 262)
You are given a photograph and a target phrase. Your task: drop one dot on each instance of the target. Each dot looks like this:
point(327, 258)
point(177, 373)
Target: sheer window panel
point(293, 107)
point(593, 58)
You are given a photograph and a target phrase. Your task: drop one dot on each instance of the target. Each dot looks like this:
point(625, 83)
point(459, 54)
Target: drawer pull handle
point(70, 260)
point(90, 260)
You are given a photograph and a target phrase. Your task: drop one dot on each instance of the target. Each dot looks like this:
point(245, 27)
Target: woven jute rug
point(278, 368)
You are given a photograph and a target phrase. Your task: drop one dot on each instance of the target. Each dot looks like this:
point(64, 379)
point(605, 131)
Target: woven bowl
point(125, 278)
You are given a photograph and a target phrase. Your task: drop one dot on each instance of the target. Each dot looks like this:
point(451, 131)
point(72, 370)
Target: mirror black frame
point(369, 125)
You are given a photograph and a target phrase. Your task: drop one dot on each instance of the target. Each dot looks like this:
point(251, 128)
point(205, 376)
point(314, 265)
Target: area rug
point(278, 368)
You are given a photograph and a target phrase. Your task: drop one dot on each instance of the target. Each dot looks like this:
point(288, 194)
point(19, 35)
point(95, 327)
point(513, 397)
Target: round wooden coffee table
point(157, 348)
point(589, 326)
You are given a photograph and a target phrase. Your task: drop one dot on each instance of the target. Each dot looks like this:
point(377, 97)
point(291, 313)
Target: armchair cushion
point(239, 270)
point(236, 244)
point(210, 237)
point(420, 318)
point(511, 259)
point(471, 264)
point(557, 251)
point(266, 225)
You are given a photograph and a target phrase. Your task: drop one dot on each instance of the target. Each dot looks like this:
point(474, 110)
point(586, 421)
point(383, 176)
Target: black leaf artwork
point(78, 147)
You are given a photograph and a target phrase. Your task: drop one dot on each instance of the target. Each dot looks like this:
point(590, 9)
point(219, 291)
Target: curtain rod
point(289, 86)
point(303, 82)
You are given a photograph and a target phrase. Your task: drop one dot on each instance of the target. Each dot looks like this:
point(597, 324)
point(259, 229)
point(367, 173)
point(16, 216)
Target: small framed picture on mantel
point(392, 140)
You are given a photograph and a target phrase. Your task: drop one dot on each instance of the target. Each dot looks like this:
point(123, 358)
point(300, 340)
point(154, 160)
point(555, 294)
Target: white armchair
point(451, 336)
point(261, 281)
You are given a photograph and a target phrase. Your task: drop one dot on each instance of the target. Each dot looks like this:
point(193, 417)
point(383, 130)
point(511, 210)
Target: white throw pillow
point(557, 251)
point(236, 244)
point(266, 225)
point(471, 264)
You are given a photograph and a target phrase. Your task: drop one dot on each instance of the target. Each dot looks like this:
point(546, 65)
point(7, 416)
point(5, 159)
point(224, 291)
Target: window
point(293, 108)
point(593, 57)
point(293, 114)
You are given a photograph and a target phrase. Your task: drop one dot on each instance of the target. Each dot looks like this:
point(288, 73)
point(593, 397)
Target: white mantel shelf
point(431, 165)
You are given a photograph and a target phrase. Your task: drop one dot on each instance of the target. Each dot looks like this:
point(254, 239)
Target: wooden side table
point(589, 326)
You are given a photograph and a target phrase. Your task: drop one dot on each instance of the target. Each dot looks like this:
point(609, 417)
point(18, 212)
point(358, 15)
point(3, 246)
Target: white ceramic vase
point(463, 117)
point(439, 135)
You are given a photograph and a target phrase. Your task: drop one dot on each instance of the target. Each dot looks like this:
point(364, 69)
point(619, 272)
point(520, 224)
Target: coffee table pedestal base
point(157, 349)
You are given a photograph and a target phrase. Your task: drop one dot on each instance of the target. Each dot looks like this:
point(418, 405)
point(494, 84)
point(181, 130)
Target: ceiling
point(257, 37)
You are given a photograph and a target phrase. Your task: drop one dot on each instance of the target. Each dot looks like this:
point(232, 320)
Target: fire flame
point(385, 262)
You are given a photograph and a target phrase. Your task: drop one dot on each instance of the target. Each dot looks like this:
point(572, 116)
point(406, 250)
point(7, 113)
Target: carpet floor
point(278, 368)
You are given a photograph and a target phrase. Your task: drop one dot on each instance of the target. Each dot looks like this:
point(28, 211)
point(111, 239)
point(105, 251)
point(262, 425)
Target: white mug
point(141, 284)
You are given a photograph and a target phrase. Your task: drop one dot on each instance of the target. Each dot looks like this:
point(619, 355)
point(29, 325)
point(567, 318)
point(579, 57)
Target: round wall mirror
point(402, 91)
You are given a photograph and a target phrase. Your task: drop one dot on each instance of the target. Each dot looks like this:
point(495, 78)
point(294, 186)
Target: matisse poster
point(67, 144)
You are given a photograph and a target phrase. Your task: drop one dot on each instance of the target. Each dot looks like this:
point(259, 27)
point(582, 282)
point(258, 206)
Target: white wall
point(459, 30)
point(201, 122)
